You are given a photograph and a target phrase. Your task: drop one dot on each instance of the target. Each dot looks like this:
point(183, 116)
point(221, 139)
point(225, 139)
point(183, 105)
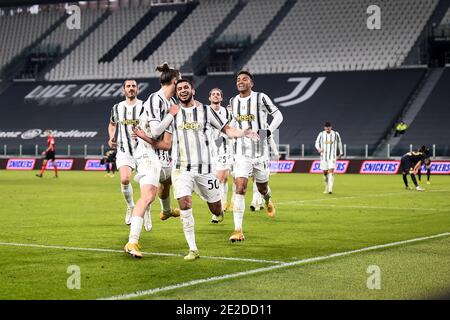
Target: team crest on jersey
point(246, 117)
point(130, 122)
point(190, 126)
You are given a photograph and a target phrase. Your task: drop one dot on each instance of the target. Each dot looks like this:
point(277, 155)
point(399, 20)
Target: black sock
point(413, 178)
point(405, 180)
point(419, 174)
point(428, 174)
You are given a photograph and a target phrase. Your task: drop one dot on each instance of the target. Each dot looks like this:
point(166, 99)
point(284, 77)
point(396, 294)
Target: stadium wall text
point(381, 166)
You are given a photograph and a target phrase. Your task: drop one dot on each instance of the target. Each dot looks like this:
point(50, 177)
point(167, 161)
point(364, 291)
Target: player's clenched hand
point(138, 132)
point(173, 110)
point(251, 134)
point(112, 144)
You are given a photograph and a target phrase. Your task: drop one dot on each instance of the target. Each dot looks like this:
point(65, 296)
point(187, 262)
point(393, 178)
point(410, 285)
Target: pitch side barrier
point(353, 166)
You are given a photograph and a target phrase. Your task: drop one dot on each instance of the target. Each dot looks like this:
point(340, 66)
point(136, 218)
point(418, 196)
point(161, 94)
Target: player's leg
point(44, 165)
point(405, 167)
point(414, 180)
point(164, 195)
point(324, 168)
point(261, 175)
point(256, 198)
point(148, 194)
point(243, 168)
point(419, 174)
point(222, 176)
point(183, 186)
point(55, 167)
point(126, 164)
point(428, 174)
point(330, 179)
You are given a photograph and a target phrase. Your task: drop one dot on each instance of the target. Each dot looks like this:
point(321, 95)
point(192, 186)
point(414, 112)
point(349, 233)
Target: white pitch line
point(148, 253)
point(354, 197)
point(372, 207)
point(259, 270)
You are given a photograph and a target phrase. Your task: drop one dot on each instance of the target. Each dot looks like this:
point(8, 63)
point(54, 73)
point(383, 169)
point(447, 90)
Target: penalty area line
point(265, 269)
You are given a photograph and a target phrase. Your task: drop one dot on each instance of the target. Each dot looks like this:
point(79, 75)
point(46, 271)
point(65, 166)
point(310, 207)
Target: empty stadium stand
point(333, 36)
point(20, 31)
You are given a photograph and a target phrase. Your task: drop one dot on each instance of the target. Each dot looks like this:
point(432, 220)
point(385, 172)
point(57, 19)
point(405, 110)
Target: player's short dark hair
point(185, 80)
point(216, 89)
point(327, 124)
point(246, 72)
point(125, 81)
point(167, 73)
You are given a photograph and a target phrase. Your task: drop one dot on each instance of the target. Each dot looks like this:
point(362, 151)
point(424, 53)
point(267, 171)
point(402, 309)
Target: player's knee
point(185, 203)
point(241, 189)
point(215, 207)
point(125, 181)
point(262, 188)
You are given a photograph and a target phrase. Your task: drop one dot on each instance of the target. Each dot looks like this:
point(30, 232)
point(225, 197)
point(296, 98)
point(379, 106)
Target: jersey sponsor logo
point(246, 117)
point(341, 166)
point(94, 165)
point(130, 122)
point(281, 166)
point(296, 96)
point(438, 167)
point(379, 167)
point(61, 164)
point(190, 126)
point(20, 164)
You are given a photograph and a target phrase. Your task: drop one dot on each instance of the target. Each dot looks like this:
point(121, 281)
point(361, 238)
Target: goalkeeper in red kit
point(49, 154)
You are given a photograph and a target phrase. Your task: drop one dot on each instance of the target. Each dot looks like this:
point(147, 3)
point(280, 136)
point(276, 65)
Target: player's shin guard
point(135, 229)
point(187, 219)
point(405, 180)
point(330, 182)
point(414, 180)
point(238, 212)
point(165, 204)
point(127, 191)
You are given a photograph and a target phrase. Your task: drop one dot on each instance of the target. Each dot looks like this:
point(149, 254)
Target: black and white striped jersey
point(251, 112)
point(125, 116)
point(156, 108)
point(192, 149)
point(329, 143)
point(221, 143)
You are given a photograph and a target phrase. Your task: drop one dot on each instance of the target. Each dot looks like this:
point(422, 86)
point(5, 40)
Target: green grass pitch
point(85, 210)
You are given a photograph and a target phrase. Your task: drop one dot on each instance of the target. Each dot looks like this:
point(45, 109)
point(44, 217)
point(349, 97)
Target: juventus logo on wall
point(295, 97)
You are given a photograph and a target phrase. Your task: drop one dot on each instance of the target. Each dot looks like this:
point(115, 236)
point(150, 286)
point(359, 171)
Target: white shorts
point(223, 162)
point(125, 159)
point(245, 167)
point(205, 185)
point(327, 164)
point(166, 173)
point(148, 171)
